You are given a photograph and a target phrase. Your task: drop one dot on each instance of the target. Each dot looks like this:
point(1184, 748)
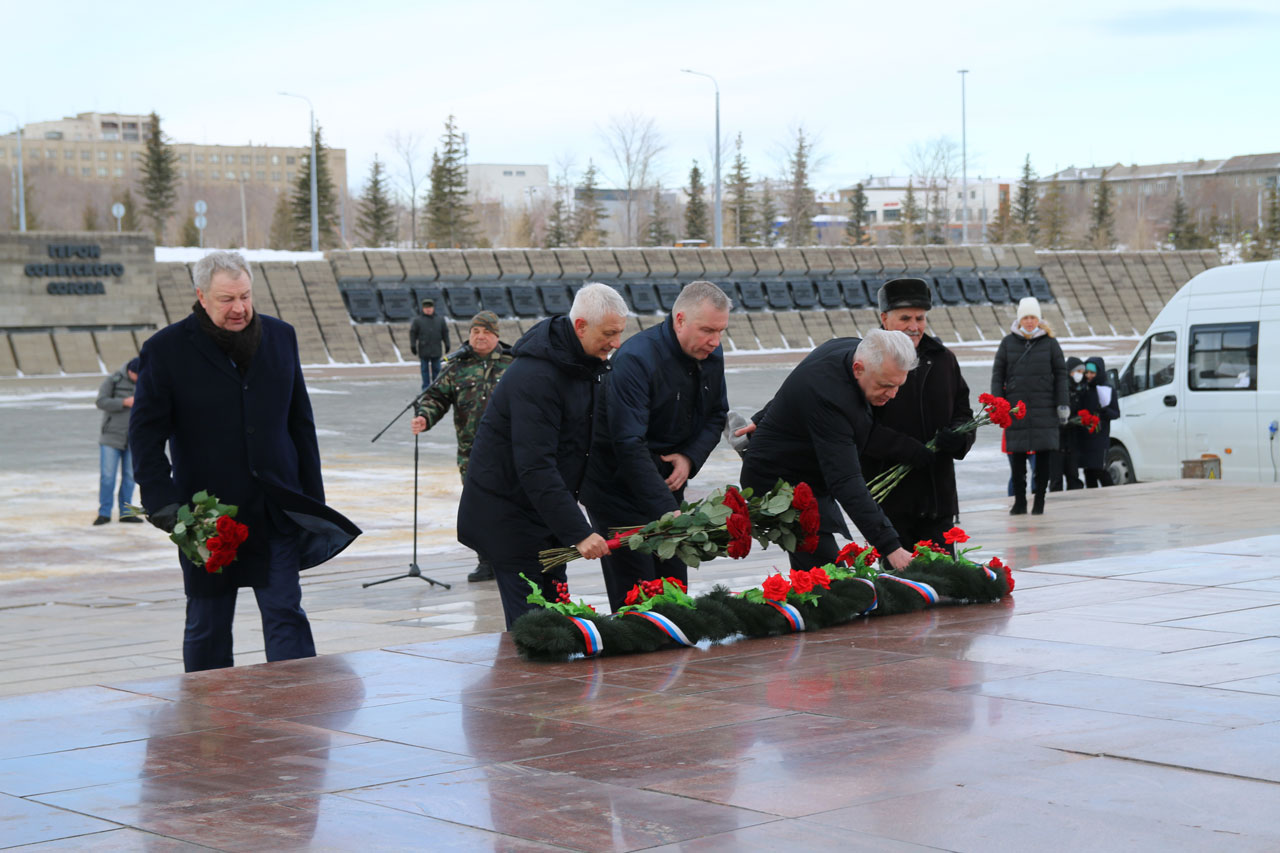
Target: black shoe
point(1037, 506)
point(1019, 505)
point(483, 572)
point(101, 520)
point(130, 519)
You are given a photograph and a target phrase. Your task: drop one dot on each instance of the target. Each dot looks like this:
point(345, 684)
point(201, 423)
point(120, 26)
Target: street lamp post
point(719, 217)
point(22, 184)
point(964, 163)
point(315, 210)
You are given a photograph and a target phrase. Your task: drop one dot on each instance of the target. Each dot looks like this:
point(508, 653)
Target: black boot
point(1019, 505)
point(1037, 507)
point(483, 572)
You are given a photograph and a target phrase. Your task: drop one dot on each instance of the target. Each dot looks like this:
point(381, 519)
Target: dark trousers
point(826, 552)
point(1094, 477)
point(430, 370)
point(514, 589)
point(286, 632)
point(1018, 467)
point(917, 528)
point(624, 568)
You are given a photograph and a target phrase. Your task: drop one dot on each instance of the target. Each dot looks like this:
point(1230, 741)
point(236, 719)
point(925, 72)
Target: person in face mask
point(1099, 399)
point(1071, 433)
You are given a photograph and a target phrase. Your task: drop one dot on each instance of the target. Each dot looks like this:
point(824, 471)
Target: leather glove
point(164, 518)
point(921, 456)
point(1064, 414)
point(950, 441)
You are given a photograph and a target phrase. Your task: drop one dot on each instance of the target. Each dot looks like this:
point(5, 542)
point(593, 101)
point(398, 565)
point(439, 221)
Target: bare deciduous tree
point(410, 175)
point(935, 163)
point(634, 144)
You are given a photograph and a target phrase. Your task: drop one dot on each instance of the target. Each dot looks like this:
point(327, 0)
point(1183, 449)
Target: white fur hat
point(1029, 307)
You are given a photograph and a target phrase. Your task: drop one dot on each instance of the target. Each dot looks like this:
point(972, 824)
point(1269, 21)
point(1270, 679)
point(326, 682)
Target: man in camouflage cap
point(466, 384)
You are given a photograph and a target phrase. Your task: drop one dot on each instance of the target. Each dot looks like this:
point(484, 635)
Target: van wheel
point(1120, 465)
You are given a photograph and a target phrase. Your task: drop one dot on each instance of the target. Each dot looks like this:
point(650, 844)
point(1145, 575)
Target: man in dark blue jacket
point(530, 453)
point(223, 389)
point(660, 416)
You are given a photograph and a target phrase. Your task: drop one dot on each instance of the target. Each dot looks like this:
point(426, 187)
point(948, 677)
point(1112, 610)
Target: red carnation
point(997, 566)
point(820, 578)
point(801, 582)
point(633, 597)
point(985, 399)
point(775, 588)
point(955, 535)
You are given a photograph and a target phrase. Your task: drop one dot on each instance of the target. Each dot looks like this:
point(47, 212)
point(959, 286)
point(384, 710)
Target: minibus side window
point(1223, 357)
point(1153, 366)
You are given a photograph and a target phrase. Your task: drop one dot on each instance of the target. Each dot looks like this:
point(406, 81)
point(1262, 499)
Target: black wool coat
point(1091, 450)
point(656, 401)
point(1032, 371)
point(251, 441)
point(811, 432)
point(428, 336)
point(530, 453)
point(934, 397)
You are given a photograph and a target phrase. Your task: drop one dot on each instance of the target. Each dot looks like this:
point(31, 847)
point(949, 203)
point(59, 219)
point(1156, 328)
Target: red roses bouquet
point(1086, 419)
point(995, 410)
point(720, 525)
point(207, 532)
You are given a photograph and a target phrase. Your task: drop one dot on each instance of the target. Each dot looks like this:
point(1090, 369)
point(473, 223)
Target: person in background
point(1066, 464)
point(659, 417)
point(115, 399)
point(1100, 400)
point(466, 384)
point(530, 453)
point(429, 340)
point(1029, 369)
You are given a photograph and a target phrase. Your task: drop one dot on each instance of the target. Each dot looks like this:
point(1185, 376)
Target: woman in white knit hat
point(1029, 368)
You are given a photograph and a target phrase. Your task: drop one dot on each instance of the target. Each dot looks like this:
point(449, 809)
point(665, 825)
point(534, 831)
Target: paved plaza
point(1127, 696)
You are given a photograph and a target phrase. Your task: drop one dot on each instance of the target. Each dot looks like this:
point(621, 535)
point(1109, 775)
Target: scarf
point(239, 346)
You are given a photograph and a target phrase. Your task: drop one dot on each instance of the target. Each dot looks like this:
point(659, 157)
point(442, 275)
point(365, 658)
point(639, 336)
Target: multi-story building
point(90, 159)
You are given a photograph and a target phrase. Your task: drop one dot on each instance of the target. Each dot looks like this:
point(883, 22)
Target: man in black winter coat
point(429, 340)
point(933, 401)
point(811, 432)
point(224, 391)
point(530, 453)
point(660, 416)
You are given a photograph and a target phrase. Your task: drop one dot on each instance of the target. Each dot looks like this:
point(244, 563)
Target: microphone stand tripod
point(414, 571)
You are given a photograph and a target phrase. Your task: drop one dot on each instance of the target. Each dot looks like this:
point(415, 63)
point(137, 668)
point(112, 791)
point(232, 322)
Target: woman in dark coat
point(1099, 399)
point(1029, 369)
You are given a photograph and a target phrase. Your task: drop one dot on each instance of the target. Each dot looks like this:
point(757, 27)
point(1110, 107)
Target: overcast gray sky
point(1079, 83)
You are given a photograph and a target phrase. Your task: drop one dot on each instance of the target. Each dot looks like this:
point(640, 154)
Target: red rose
point(733, 500)
point(810, 518)
point(955, 535)
point(802, 496)
point(633, 597)
point(810, 544)
point(739, 526)
point(801, 582)
point(820, 578)
point(775, 588)
point(739, 548)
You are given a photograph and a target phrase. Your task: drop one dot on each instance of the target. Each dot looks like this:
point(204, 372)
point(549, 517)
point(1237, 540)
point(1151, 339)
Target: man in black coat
point(660, 416)
point(223, 389)
point(931, 403)
point(530, 453)
point(428, 340)
point(812, 429)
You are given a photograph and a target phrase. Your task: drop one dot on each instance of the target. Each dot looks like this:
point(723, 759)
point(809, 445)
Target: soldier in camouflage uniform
point(466, 384)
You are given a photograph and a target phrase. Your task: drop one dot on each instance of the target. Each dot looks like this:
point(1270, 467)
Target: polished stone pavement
point(1125, 697)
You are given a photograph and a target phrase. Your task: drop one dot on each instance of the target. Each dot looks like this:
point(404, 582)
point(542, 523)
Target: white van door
point(1149, 407)
point(1269, 376)
point(1220, 416)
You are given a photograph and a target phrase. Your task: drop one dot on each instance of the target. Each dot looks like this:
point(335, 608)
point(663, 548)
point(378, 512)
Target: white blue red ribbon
point(990, 573)
point(927, 592)
point(790, 612)
point(875, 595)
point(664, 624)
point(590, 635)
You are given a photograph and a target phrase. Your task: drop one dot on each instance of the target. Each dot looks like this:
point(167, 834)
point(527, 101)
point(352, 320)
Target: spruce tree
point(326, 195)
point(1053, 219)
point(448, 212)
point(128, 222)
point(376, 219)
point(589, 213)
point(800, 203)
point(1025, 216)
point(281, 235)
point(1102, 217)
point(910, 216)
point(159, 178)
point(89, 217)
point(1270, 230)
point(696, 226)
point(658, 234)
point(558, 224)
point(740, 213)
point(856, 231)
point(1181, 230)
point(190, 235)
point(768, 217)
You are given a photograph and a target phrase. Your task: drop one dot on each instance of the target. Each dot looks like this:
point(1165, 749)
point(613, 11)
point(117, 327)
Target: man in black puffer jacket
point(530, 453)
point(933, 401)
